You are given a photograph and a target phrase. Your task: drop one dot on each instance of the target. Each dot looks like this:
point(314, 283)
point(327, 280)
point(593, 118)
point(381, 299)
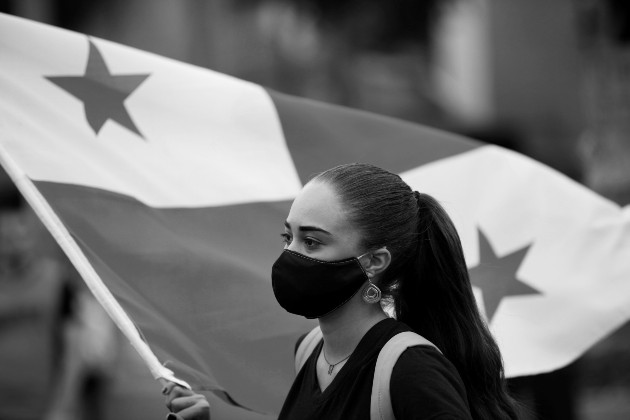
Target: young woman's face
point(317, 225)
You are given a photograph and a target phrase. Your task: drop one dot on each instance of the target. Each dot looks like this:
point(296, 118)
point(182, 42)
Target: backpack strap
point(306, 347)
point(381, 403)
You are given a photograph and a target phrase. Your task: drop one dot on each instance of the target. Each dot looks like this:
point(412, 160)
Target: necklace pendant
point(330, 369)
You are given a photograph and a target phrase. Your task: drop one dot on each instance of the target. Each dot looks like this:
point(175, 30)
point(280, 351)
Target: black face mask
point(313, 288)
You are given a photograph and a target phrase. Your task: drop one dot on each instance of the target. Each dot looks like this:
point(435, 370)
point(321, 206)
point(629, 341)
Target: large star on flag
point(103, 94)
point(496, 276)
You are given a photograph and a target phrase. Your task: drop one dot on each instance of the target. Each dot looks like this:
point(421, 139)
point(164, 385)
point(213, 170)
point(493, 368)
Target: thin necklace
point(331, 366)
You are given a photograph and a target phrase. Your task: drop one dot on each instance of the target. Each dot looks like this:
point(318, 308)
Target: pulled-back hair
point(427, 279)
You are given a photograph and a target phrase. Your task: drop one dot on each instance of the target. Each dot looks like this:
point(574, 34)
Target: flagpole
point(102, 294)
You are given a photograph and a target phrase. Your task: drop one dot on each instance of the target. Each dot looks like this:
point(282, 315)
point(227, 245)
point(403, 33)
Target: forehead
point(319, 205)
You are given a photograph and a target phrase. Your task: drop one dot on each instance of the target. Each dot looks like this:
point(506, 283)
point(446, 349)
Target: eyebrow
point(308, 228)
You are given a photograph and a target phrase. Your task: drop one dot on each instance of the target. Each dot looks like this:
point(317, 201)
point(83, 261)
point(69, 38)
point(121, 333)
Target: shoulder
point(424, 384)
point(420, 364)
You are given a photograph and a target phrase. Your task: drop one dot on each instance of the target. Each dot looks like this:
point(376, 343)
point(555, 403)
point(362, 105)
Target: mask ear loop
point(361, 265)
point(368, 252)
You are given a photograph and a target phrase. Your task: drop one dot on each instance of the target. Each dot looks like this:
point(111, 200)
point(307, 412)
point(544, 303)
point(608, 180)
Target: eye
point(286, 238)
point(311, 243)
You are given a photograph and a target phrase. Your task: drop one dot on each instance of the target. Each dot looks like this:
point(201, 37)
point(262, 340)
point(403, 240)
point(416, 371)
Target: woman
point(357, 233)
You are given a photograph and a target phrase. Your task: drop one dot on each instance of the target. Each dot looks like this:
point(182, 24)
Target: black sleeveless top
point(424, 384)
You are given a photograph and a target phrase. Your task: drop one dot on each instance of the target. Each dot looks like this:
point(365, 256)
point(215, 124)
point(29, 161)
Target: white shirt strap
point(381, 403)
point(306, 347)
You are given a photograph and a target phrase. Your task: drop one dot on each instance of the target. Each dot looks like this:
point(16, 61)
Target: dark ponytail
point(427, 280)
point(436, 300)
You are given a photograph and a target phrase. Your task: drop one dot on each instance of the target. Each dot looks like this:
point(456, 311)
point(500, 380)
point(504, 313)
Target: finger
point(167, 386)
point(177, 392)
point(179, 404)
point(170, 387)
point(174, 416)
point(199, 411)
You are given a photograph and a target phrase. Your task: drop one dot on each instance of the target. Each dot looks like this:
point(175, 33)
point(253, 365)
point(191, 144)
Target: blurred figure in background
point(57, 345)
point(90, 354)
point(34, 306)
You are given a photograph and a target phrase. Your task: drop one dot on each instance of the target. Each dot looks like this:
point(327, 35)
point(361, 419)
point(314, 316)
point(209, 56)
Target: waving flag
point(167, 186)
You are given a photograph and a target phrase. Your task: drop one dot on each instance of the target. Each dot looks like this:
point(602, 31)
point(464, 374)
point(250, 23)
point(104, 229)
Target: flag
point(167, 186)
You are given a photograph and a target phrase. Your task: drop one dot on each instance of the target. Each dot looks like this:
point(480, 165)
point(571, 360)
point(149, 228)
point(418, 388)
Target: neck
point(344, 328)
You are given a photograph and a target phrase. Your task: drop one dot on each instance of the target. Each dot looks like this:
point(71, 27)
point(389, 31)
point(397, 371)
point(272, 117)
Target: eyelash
point(286, 238)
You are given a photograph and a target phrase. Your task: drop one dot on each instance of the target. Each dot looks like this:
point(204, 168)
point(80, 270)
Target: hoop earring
point(371, 294)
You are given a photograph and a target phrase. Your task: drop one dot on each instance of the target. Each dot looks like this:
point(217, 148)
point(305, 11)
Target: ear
point(377, 263)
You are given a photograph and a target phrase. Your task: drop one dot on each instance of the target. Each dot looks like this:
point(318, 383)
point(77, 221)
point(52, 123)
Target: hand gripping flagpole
point(102, 294)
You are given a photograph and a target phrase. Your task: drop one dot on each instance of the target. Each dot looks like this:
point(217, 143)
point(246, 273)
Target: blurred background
point(550, 79)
